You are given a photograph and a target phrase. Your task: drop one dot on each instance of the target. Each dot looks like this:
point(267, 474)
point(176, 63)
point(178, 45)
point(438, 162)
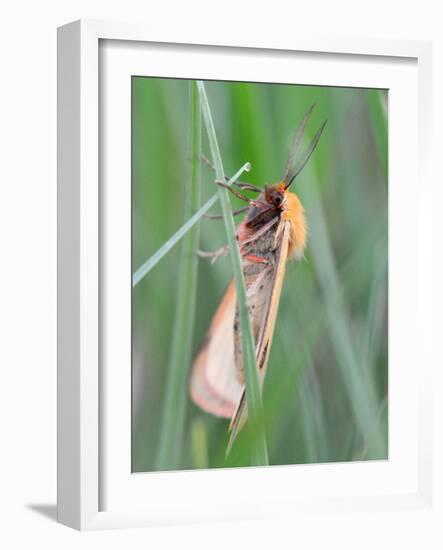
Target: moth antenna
point(298, 167)
point(295, 146)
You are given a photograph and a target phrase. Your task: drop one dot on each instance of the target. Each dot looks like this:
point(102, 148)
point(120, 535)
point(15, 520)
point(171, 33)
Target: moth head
point(275, 194)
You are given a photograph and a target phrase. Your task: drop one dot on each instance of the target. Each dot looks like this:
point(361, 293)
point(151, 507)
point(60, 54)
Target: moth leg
point(240, 184)
point(251, 202)
point(234, 192)
point(255, 259)
point(262, 214)
point(261, 231)
point(248, 186)
point(215, 254)
point(220, 217)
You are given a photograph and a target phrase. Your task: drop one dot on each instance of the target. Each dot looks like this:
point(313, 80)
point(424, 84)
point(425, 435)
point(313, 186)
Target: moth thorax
point(295, 214)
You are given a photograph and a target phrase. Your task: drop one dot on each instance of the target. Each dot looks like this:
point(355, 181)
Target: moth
point(273, 231)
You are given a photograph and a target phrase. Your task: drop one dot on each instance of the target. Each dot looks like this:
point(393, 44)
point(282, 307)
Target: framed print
point(242, 302)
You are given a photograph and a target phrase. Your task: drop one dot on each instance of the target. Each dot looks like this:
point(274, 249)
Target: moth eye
point(277, 200)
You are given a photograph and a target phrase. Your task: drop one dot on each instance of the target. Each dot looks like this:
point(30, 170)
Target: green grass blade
point(362, 398)
point(253, 391)
point(174, 405)
point(151, 262)
point(199, 438)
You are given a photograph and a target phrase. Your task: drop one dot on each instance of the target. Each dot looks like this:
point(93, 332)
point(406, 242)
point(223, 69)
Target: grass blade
point(253, 390)
point(361, 396)
point(174, 404)
point(151, 262)
point(199, 438)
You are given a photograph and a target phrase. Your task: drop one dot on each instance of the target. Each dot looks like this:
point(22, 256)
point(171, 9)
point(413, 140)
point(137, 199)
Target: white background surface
point(28, 271)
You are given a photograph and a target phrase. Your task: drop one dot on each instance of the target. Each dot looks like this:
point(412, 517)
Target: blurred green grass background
point(325, 394)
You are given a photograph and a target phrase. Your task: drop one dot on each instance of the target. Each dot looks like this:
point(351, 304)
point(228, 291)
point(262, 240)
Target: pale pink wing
point(214, 386)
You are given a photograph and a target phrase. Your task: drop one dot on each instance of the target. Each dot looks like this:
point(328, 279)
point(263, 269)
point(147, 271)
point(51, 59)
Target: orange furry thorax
point(294, 212)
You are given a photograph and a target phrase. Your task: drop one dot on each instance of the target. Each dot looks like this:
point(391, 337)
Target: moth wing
point(214, 386)
point(283, 237)
point(265, 337)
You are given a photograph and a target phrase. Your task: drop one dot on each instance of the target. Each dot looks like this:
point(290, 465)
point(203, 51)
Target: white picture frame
point(96, 492)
